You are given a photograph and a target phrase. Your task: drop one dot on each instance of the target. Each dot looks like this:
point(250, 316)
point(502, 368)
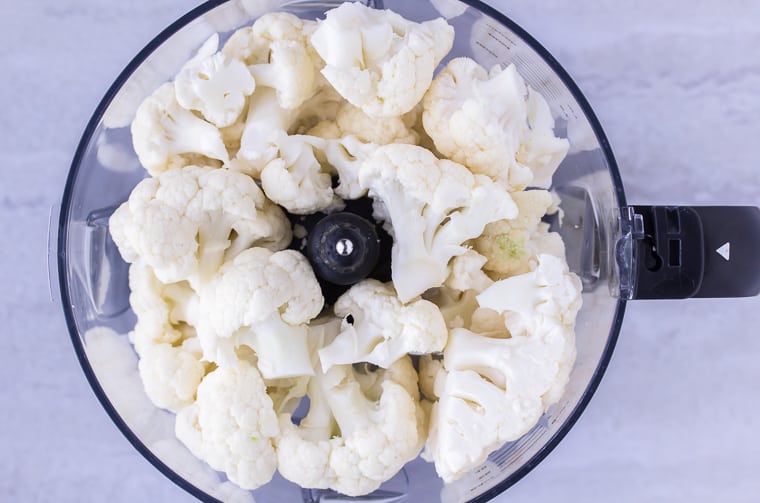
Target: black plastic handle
point(696, 251)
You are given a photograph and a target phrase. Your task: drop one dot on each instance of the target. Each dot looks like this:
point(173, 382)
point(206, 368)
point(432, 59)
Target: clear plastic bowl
point(93, 277)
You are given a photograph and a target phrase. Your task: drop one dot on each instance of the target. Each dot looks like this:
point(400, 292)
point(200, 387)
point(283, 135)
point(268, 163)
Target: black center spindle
point(343, 248)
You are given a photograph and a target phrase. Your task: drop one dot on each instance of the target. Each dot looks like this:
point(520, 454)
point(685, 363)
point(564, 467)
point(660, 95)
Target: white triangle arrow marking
point(725, 251)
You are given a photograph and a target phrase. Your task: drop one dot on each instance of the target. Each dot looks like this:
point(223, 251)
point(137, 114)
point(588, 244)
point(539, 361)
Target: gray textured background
point(677, 87)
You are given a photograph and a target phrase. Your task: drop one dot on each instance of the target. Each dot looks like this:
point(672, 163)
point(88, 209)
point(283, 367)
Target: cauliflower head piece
point(279, 56)
point(378, 328)
point(377, 60)
point(511, 246)
point(297, 180)
point(215, 85)
point(263, 300)
point(171, 373)
point(467, 272)
point(186, 222)
point(501, 374)
point(267, 123)
point(164, 311)
point(493, 123)
point(232, 425)
point(433, 206)
point(351, 120)
point(165, 135)
point(358, 433)
point(165, 339)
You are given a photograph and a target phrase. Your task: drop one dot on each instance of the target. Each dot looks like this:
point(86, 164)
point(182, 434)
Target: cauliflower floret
point(162, 310)
point(351, 120)
point(232, 425)
point(511, 246)
point(457, 307)
point(493, 123)
point(346, 156)
point(323, 106)
point(377, 60)
point(216, 86)
point(433, 206)
point(286, 393)
point(279, 54)
point(164, 337)
point(171, 374)
point(349, 441)
point(379, 329)
point(296, 180)
point(540, 150)
point(267, 123)
point(350, 139)
point(467, 272)
point(251, 44)
point(232, 136)
point(497, 384)
point(165, 135)
point(429, 367)
point(291, 71)
point(185, 222)
point(262, 300)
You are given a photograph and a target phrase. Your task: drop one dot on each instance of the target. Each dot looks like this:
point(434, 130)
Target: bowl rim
point(66, 204)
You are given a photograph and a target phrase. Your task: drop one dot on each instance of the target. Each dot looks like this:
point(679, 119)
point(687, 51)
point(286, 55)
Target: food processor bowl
point(610, 245)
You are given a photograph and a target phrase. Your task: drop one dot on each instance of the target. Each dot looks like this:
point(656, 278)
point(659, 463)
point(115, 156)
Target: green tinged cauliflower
point(511, 246)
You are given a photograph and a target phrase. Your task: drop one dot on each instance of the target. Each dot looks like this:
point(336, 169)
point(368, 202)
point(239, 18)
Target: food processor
point(621, 252)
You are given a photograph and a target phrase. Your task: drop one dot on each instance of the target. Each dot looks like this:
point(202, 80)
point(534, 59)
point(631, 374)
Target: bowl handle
point(679, 252)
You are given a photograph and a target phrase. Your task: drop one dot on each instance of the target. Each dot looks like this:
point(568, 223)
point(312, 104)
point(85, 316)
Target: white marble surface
point(677, 87)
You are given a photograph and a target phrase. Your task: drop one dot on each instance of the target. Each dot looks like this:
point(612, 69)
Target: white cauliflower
point(280, 57)
point(292, 71)
point(164, 337)
point(296, 180)
point(467, 272)
point(268, 124)
point(350, 139)
point(378, 328)
point(352, 439)
point(346, 156)
point(433, 206)
point(171, 373)
point(498, 383)
point(456, 306)
point(429, 367)
point(493, 123)
point(186, 222)
point(351, 120)
point(265, 123)
point(164, 311)
point(215, 85)
point(540, 149)
point(252, 43)
point(511, 246)
point(377, 60)
point(232, 425)
point(262, 300)
point(230, 330)
point(165, 135)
